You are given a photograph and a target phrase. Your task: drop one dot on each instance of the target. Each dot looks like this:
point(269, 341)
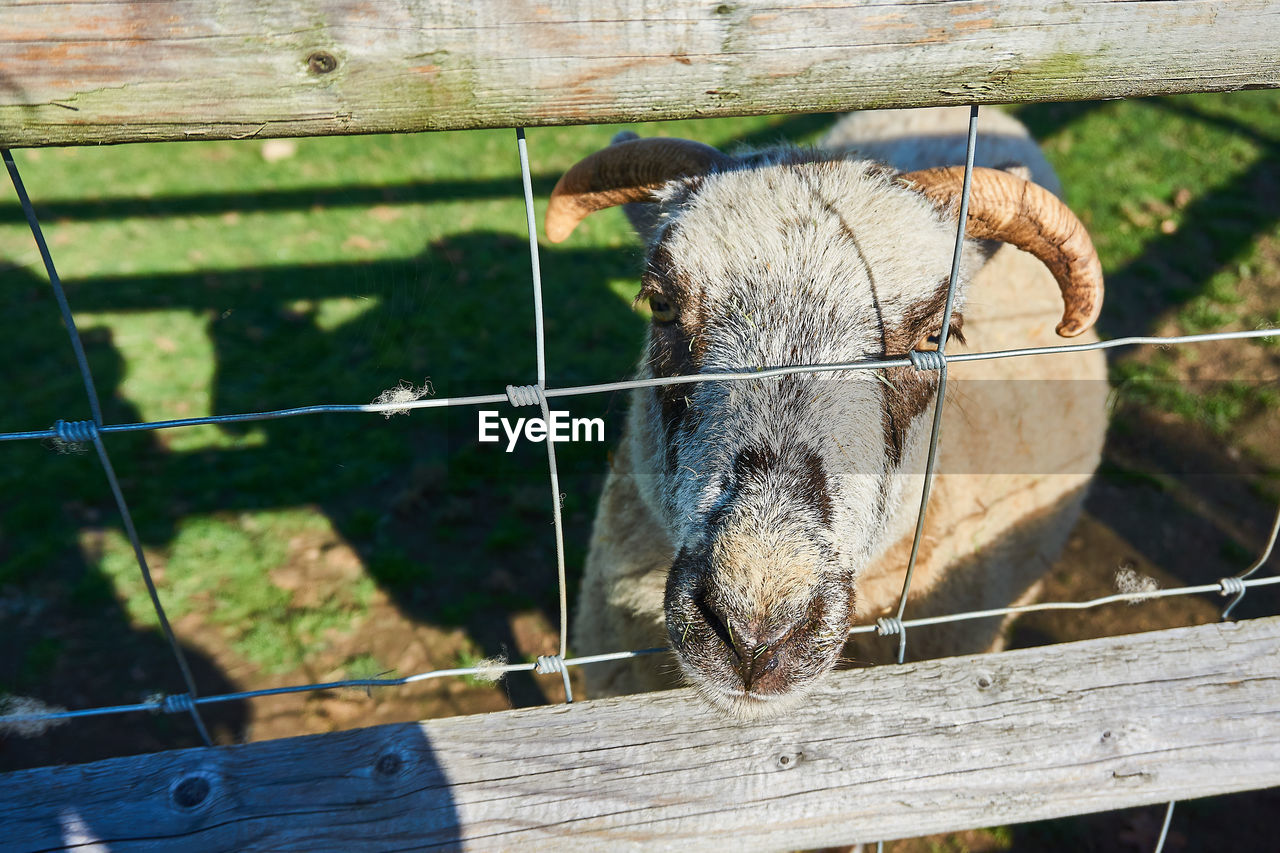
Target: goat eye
point(663, 311)
point(929, 342)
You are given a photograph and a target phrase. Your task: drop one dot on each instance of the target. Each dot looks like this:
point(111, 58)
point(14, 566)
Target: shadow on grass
point(458, 533)
point(787, 128)
point(275, 200)
point(783, 129)
point(1044, 120)
point(67, 641)
point(1218, 228)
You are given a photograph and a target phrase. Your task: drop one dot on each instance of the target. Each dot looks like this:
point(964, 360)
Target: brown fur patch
point(812, 488)
point(817, 489)
point(673, 349)
point(908, 392)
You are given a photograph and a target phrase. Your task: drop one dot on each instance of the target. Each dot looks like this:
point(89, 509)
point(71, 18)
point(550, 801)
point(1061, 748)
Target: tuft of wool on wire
point(1130, 582)
point(403, 392)
point(490, 669)
point(16, 713)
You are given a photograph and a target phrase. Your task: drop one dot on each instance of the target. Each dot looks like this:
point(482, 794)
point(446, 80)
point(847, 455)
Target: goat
point(749, 524)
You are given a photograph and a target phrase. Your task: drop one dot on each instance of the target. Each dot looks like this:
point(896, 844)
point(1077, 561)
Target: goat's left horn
point(629, 170)
point(1005, 207)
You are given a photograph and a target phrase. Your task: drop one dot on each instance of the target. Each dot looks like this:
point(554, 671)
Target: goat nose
point(752, 643)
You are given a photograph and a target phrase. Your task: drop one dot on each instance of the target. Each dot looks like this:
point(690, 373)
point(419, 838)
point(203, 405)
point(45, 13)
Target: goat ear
point(644, 216)
point(648, 217)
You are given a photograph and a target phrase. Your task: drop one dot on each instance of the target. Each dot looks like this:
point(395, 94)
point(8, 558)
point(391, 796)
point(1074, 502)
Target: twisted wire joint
point(548, 664)
point(524, 395)
point(887, 626)
point(76, 432)
point(1232, 586)
point(927, 359)
point(176, 703)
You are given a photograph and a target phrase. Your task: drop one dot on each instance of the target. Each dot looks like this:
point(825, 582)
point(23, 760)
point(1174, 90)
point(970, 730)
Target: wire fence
point(190, 701)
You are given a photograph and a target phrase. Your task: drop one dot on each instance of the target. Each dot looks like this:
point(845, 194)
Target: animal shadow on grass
point(68, 642)
point(457, 533)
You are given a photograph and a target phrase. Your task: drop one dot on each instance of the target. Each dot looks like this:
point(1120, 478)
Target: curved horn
point(1006, 207)
point(626, 171)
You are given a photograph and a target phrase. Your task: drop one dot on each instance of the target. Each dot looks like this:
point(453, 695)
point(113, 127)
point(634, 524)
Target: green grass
point(209, 279)
point(365, 666)
point(1217, 405)
point(1178, 194)
point(222, 568)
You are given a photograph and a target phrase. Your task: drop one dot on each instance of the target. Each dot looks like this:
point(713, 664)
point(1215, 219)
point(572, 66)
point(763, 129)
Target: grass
point(223, 569)
point(222, 277)
point(1180, 197)
point(365, 666)
point(1216, 405)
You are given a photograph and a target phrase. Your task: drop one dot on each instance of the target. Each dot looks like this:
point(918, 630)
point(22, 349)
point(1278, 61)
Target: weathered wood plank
point(134, 70)
point(880, 753)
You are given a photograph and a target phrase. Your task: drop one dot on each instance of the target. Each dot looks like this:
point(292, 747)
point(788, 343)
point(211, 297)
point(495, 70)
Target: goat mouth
point(747, 705)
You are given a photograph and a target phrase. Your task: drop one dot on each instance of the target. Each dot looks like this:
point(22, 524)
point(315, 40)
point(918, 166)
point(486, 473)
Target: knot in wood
point(388, 764)
point(190, 791)
point(321, 62)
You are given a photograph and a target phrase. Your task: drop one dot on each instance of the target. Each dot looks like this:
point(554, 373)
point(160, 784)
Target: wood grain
point(881, 753)
point(99, 71)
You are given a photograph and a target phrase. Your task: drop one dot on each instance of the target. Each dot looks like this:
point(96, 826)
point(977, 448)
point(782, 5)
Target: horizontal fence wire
point(744, 374)
point(884, 627)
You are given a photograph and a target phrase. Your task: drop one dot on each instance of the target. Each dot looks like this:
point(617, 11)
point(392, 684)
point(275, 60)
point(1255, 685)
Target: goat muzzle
point(730, 653)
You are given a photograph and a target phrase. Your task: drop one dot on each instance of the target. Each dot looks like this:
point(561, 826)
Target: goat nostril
point(759, 650)
point(719, 625)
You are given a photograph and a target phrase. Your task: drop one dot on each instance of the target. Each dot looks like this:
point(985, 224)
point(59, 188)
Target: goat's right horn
point(1003, 206)
point(629, 170)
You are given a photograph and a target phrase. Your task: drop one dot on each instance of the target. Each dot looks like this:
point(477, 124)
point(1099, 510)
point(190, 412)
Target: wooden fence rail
point(880, 753)
point(135, 70)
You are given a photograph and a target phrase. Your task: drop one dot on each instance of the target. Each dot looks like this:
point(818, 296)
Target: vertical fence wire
point(941, 365)
point(81, 431)
point(1164, 828)
point(1238, 587)
point(550, 663)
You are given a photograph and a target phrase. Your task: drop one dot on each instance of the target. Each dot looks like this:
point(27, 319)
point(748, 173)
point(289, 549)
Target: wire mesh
point(190, 701)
